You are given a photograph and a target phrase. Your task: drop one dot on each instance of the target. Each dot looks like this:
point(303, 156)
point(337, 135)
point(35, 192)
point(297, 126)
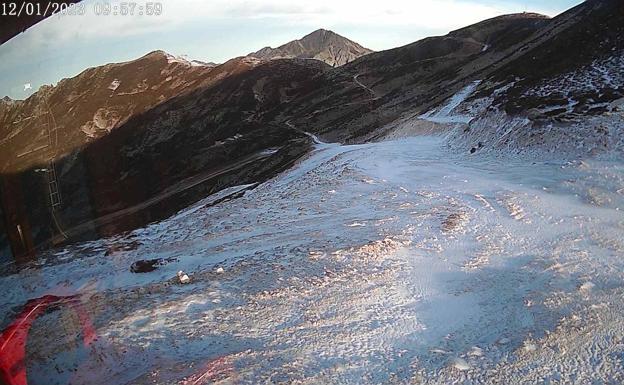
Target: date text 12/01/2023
point(17, 9)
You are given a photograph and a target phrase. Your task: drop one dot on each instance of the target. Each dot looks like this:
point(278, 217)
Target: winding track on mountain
point(360, 84)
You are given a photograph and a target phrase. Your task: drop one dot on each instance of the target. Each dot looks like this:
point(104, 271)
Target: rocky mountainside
point(523, 79)
point(225, 125)
point(186, 148)
point(548, 72)
point(153, 158)
point(351, 102)
point(576, 60)
point(58, 119)
point(321, 44)
point(564, 89)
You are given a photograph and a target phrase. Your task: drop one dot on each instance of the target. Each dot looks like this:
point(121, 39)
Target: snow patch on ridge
point(185, 60)
point(114, 85)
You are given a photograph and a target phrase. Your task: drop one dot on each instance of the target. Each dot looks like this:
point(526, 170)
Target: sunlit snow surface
point(390, 262)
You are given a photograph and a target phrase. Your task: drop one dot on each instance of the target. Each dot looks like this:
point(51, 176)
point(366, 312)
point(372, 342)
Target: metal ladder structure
point(53, 186)
point(53, 182)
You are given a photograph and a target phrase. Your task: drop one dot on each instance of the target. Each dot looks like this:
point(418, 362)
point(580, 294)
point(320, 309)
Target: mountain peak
point(320, 31)
point(155, 54)
point(321, 44)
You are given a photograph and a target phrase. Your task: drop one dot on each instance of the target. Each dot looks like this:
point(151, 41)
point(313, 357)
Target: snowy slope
point(576, 114)
point(389, 262)
point(445, 114)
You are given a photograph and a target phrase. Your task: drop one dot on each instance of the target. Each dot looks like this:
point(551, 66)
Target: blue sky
point(217, 30)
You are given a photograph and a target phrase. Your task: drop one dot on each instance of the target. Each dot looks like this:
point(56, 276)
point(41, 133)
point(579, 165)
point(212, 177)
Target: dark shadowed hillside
point(79, 110)
point(160, 160)
point(589, 39)
point(351, 101)
point(160, 129)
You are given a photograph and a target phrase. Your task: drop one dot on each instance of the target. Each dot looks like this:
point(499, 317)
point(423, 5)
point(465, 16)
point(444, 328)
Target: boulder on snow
point(183, 277)
point(147, 265)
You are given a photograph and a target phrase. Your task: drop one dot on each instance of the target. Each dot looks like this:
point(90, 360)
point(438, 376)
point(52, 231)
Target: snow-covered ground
point(388, 262)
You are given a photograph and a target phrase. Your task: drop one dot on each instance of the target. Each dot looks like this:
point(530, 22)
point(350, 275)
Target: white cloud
point(418, 13)
point(422, 13)
point(426, 14)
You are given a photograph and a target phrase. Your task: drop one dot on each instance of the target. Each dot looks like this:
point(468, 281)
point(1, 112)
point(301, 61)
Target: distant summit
point(321, 44)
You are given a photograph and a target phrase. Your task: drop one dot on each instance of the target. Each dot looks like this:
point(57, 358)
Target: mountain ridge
point(247, 108)
point(321, 44)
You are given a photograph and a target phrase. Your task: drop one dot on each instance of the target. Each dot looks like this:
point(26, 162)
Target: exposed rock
point(354, 102)
point(183, 277)
point(570, 67)
point(57, 120)
point(148, 265)
point(321, 44)
point(131, 170)
point(159, 133)
point(145, 266)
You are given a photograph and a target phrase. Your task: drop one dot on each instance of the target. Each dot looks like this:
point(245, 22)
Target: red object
point(13, 338)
